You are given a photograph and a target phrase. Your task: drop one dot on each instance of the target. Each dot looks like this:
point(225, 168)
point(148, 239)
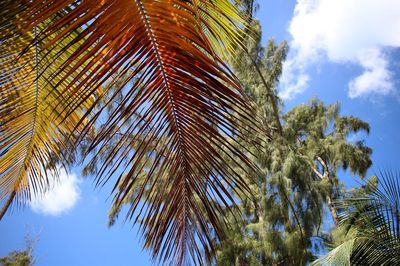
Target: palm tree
point(370, 218)
point(55, 58)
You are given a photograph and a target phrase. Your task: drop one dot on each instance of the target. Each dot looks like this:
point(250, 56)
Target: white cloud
point(344, 31)
point(376, 79)
point(60, 198)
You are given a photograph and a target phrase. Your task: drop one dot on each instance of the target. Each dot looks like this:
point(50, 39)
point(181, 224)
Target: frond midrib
point(182, 153)
point(22, 171)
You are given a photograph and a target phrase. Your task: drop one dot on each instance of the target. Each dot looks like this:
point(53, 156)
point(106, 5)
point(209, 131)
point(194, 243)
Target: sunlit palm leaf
point(34, 124)
point(182, 92)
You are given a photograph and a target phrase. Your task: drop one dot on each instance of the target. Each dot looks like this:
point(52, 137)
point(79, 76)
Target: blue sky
point(346, 51)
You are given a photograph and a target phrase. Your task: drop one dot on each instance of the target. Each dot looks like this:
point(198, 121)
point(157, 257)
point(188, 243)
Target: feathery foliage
point(309, 144)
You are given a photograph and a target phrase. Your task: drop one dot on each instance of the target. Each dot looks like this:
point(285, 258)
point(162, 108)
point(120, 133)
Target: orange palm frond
point(182, 92)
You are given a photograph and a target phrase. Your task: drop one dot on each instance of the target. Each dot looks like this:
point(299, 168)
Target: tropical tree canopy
point(281, 224)
point(59, 60)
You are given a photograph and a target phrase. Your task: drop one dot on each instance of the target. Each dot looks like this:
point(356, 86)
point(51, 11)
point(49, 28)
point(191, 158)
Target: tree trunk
point(325, 175)
point(332, 210)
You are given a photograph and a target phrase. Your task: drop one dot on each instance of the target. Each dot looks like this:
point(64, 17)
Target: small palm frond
point(338, 256)
point(182, 92)
point(374, 215)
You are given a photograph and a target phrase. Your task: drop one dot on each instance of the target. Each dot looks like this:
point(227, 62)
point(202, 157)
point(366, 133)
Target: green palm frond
point(374, 216)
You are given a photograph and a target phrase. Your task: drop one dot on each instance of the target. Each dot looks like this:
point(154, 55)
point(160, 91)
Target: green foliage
point(17, 258)
point(20, 257)
point(309, 145)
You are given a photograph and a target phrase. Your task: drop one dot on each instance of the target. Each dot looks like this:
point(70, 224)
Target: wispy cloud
point(343, 31)
point(60, 198)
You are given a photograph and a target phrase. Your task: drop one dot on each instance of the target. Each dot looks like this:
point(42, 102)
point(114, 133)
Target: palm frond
point(374, 214)
point(338, 256)
point(34, 124)
point(182, 92)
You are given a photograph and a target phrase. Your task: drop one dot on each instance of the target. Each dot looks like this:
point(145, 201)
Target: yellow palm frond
point(35, 116)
